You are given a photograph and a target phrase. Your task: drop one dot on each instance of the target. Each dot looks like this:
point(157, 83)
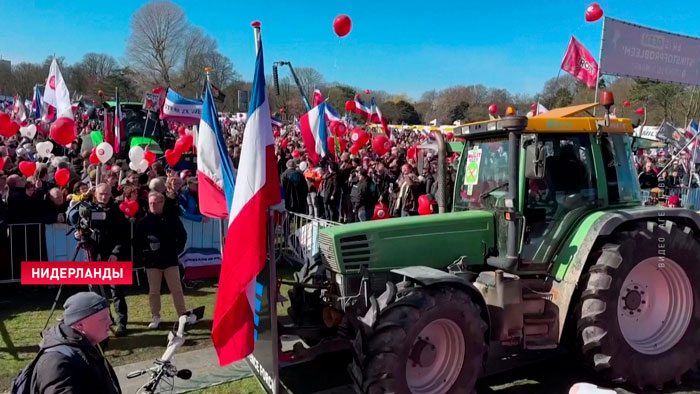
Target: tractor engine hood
point(433, 240)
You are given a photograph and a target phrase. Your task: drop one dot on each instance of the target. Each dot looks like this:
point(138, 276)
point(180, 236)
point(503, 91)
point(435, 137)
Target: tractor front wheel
point(431, 341)
point(639, 315)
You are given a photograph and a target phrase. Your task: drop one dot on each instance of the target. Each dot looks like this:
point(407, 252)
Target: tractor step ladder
point(540, 324)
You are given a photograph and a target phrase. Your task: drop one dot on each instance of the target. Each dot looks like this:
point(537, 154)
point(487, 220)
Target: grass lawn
point(243, 386)
point(24, 310)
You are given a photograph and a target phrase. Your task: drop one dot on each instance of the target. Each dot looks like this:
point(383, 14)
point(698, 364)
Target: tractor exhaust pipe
point(441, 194)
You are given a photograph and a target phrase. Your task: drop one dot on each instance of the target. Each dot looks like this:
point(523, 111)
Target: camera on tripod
point(85, 217)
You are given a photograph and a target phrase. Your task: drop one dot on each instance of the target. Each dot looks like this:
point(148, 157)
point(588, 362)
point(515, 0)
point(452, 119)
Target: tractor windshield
point(483, 172)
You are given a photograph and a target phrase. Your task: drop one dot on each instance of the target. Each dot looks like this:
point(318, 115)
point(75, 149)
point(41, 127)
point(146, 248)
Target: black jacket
point(295, 191)
point(86, 372)
point(329, 187)
point(159, 240)
point(113, 235)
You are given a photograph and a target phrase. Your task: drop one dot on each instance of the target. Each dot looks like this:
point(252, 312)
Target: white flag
point(433, 122)
point(56, 92)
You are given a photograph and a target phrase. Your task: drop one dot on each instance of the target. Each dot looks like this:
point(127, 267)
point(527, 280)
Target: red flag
point(318, 98)
point(580, 63)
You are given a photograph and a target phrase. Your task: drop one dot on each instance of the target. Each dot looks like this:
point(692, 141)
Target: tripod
point(85, 245)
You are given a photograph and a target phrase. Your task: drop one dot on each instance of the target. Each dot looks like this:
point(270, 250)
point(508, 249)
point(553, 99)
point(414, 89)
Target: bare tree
point(98, 66)
point(196, 50)
point(158, 34)
point(26, 75)
point(309, 79)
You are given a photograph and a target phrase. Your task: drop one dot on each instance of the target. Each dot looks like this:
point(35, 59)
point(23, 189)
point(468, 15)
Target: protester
point(111, 243)
point(189, 202)
point(648, 178)
point(158, 241)
point(295, 188)
point(70, 359)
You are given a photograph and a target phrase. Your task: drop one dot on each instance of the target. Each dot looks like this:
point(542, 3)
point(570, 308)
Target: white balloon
point(43, 149)
point(28, 131)
point(133, 166)
point(104, 152)
point(136, 153)
point(143, 165)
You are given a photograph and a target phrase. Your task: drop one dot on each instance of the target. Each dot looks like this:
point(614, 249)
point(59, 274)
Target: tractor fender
point(427, 277)
point(570, 261)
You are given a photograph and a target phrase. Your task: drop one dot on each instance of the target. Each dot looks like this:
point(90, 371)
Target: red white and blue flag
point(332, 114)
point(276, 122)
point(214, 167)
point(118, 124)
point(376, 117)
point(176, 108)
point(314, 132)
point(361, 108)
point(37, 102)
point(257, 189)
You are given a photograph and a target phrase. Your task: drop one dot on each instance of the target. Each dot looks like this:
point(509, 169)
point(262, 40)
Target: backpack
point(22, 383)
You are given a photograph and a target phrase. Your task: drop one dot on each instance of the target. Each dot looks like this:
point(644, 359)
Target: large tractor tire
point(639, 314)
point(431, 341)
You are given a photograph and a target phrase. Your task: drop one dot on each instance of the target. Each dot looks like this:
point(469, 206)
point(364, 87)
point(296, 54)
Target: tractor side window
point(560, 197)
point(626, 175)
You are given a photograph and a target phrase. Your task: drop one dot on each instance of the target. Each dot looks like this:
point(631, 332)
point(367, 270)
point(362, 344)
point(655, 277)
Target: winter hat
point(82, 305)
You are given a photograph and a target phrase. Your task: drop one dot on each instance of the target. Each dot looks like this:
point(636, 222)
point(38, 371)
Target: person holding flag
point(257, 189)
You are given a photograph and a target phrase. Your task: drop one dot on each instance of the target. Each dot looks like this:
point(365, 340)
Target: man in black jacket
point(158, 241)
point(111, 236)
point(71, 360)
point(295, 188)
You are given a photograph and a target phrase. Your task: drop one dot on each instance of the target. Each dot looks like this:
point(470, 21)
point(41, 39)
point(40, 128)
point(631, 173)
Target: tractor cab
point(541, 176)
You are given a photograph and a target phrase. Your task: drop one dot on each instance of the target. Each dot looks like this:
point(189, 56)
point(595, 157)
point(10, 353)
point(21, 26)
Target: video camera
point(85, 217)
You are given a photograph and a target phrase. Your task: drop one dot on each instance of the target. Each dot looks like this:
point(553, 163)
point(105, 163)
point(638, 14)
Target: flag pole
point(600, 57)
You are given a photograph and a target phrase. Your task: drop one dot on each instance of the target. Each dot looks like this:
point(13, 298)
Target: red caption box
point(76, 273)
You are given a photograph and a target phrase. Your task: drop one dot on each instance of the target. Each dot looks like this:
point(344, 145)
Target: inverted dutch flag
point(314, 132)
point(376, 117)
point(332, 114)
point(214, 168)
point(318, 98)
point(176, 108)
point(361, 108)
point(37, 102)
point(257, 188)
point(276, 122)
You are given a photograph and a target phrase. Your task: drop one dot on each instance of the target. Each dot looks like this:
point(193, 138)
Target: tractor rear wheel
point(639, 314)
point(431, 341)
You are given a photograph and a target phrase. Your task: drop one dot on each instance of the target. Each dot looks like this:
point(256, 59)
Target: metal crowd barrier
point(50, 242)
point(297, 236)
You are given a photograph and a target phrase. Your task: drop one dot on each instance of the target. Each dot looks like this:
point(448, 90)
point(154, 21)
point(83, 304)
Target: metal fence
point(51, 242)
point(296, 236)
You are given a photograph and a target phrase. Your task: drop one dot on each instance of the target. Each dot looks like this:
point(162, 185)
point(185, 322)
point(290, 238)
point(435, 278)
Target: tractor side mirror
point(534, 161)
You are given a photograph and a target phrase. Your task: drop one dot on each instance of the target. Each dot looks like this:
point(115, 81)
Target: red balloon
point(27, 168)
point(150, 157)
point(63, 131)
point(424, 207)
point(172, 157)
point(276, 133)
point(411, 153)
point(349, 105)
point(360, 136)
point(14, 127)
point(450, 136)
point(62, 176)
point(381, 145)
point(182, 130)
point(5, 124)
point(184, 143)
point(296, 154)
point(593, 12)
point(93, 157)
point(284, 143)
point(342, 25)
point(157, 90)
point(381, 211)
point(367, 91)
point(626, 103)
point(130, 208)
point(338, 128)
point(331, 146)
point(85, 116)
point(640, 110)
point(493, 108)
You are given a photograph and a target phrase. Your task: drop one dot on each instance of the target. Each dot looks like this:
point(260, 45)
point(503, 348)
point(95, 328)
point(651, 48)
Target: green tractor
point(546, 244)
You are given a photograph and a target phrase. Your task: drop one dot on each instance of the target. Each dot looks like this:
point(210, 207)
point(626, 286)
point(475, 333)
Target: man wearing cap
point(70, 359)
